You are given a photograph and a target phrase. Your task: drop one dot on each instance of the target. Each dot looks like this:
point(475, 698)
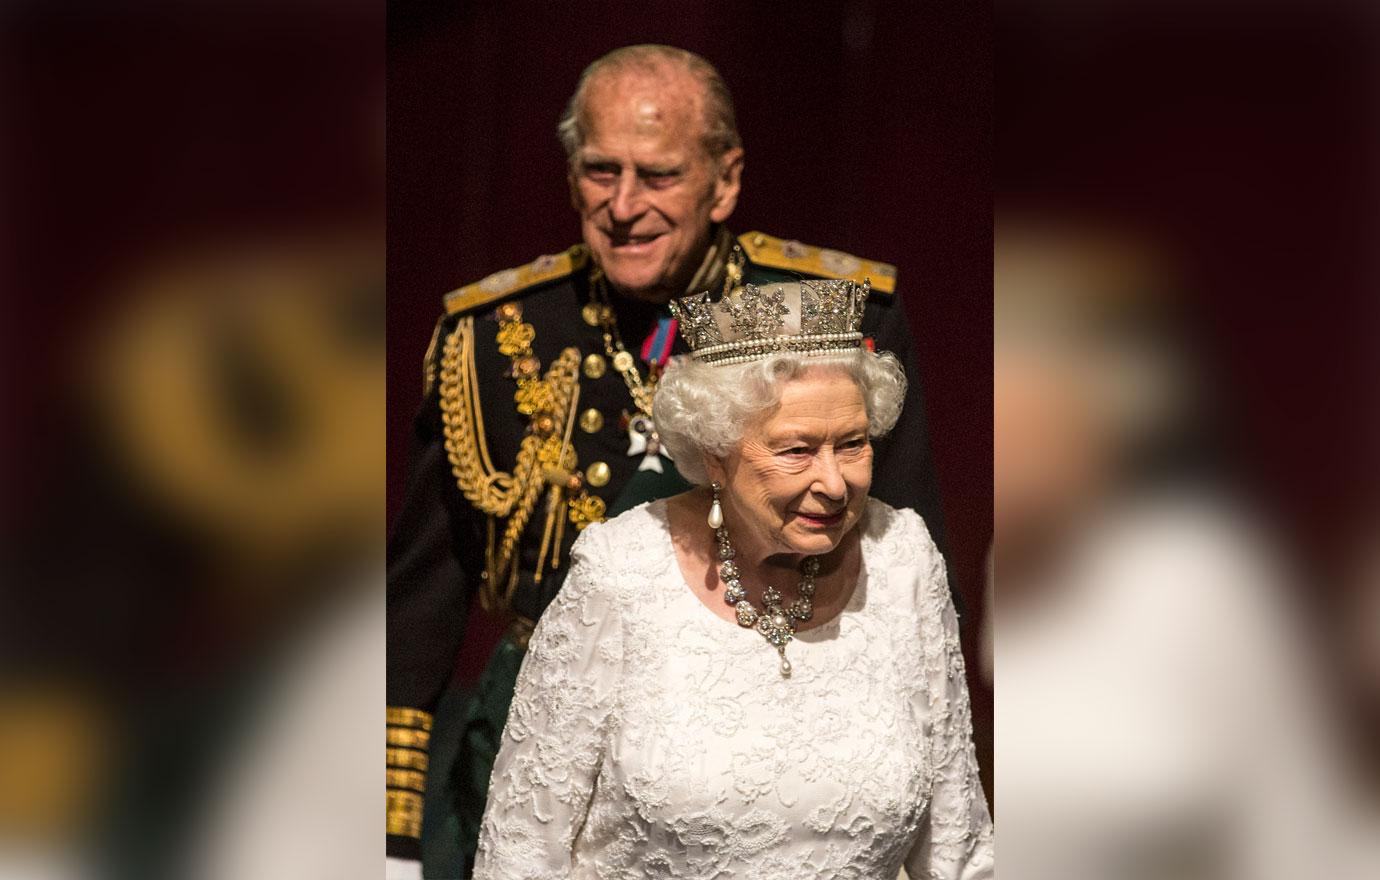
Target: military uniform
point(523, 439)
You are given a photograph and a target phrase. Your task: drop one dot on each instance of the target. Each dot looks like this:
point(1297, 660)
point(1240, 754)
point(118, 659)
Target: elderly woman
point(760, 677)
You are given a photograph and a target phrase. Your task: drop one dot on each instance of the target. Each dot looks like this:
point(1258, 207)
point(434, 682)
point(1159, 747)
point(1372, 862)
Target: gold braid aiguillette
point(544, 456)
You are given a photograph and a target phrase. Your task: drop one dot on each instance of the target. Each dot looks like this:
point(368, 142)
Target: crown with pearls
point(808, 318)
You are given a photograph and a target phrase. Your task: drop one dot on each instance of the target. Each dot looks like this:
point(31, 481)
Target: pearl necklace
point(776, 624)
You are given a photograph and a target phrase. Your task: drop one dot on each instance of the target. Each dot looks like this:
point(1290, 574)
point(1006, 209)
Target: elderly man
point(540, 382)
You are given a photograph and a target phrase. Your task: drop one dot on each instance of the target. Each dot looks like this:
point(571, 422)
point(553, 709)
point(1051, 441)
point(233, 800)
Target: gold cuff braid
point(405, 814)
point(402, 716)
point(408, 738)
point(408, 759)
point(409, 734)
point(411, 779)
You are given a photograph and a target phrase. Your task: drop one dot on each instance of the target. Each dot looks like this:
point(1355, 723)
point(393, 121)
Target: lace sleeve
point(955, 841)
point(554, 740)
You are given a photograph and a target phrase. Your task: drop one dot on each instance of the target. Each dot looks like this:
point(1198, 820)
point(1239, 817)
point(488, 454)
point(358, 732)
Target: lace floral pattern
point(649, 738)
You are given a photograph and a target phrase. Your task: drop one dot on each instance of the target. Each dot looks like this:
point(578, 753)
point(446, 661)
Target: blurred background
point(193, 502)
point(1187, 602)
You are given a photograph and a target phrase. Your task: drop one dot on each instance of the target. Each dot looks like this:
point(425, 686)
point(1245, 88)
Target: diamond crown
point(809, 318)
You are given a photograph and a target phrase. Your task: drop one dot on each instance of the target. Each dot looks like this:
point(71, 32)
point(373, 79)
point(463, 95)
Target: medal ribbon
point(656, 348)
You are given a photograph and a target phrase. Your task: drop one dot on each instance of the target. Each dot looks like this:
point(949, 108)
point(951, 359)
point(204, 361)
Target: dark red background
point(1242, 141)
point(1251, 161)
point(868, 128)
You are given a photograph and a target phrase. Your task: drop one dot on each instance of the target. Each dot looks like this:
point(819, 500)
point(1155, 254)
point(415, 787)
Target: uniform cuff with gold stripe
point(409, 735)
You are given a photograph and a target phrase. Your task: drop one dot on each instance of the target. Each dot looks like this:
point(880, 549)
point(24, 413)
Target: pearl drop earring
point(716, 513)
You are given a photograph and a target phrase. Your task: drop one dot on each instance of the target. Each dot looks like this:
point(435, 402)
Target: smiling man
point(655, 164)
point(537, 416)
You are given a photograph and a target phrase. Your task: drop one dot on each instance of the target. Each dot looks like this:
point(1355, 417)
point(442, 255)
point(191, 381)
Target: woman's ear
point(714, 466)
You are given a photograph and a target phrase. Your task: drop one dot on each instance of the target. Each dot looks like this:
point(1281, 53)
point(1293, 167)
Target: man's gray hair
point(705, 409)
point(720, 123)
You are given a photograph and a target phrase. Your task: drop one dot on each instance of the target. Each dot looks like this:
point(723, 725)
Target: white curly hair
point(704, 409)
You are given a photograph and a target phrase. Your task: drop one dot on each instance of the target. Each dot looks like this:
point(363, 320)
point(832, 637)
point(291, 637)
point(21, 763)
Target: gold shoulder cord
point(545, 458)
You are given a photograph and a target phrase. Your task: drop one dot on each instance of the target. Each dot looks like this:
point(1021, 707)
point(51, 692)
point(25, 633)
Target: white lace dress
point(650, 738)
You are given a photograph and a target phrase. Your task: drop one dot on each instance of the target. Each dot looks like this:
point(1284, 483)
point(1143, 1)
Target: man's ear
point(727, 185)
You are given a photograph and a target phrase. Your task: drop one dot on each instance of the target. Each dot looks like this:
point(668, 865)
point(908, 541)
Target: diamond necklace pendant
point(775, 623)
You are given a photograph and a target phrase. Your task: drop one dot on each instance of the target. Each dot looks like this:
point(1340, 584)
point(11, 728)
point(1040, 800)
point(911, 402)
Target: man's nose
point(627, 203)
point(829, 476)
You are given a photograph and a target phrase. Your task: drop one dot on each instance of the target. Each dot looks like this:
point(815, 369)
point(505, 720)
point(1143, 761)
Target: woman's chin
point(814, 541)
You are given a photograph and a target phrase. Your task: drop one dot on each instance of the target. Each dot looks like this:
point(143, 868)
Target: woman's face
point(798, 480)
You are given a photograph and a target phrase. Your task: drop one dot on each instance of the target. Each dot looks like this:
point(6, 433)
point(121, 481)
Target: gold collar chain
point(642, 390)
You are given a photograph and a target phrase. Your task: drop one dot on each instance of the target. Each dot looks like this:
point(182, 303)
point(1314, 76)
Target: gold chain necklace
point(642, 391)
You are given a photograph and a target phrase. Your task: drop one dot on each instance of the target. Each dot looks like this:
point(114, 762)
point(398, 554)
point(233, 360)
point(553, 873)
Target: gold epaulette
point(409, 734)
point(764, 250)
point(499, 285)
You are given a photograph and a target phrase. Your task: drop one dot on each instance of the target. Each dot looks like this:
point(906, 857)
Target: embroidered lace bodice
point(649, 737)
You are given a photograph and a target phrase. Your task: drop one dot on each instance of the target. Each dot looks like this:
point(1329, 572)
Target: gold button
point(591, 314)
point(591, 420)
point(759, 240)
point(595, 365)
point(622, 361)
point(598, 474)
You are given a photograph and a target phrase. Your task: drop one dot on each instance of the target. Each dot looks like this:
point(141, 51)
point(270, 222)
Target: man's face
point(646, 189)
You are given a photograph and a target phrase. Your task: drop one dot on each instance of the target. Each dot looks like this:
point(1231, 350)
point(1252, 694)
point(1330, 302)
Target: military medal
point(656, 349)
point(643, 440)
point(642, 436)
